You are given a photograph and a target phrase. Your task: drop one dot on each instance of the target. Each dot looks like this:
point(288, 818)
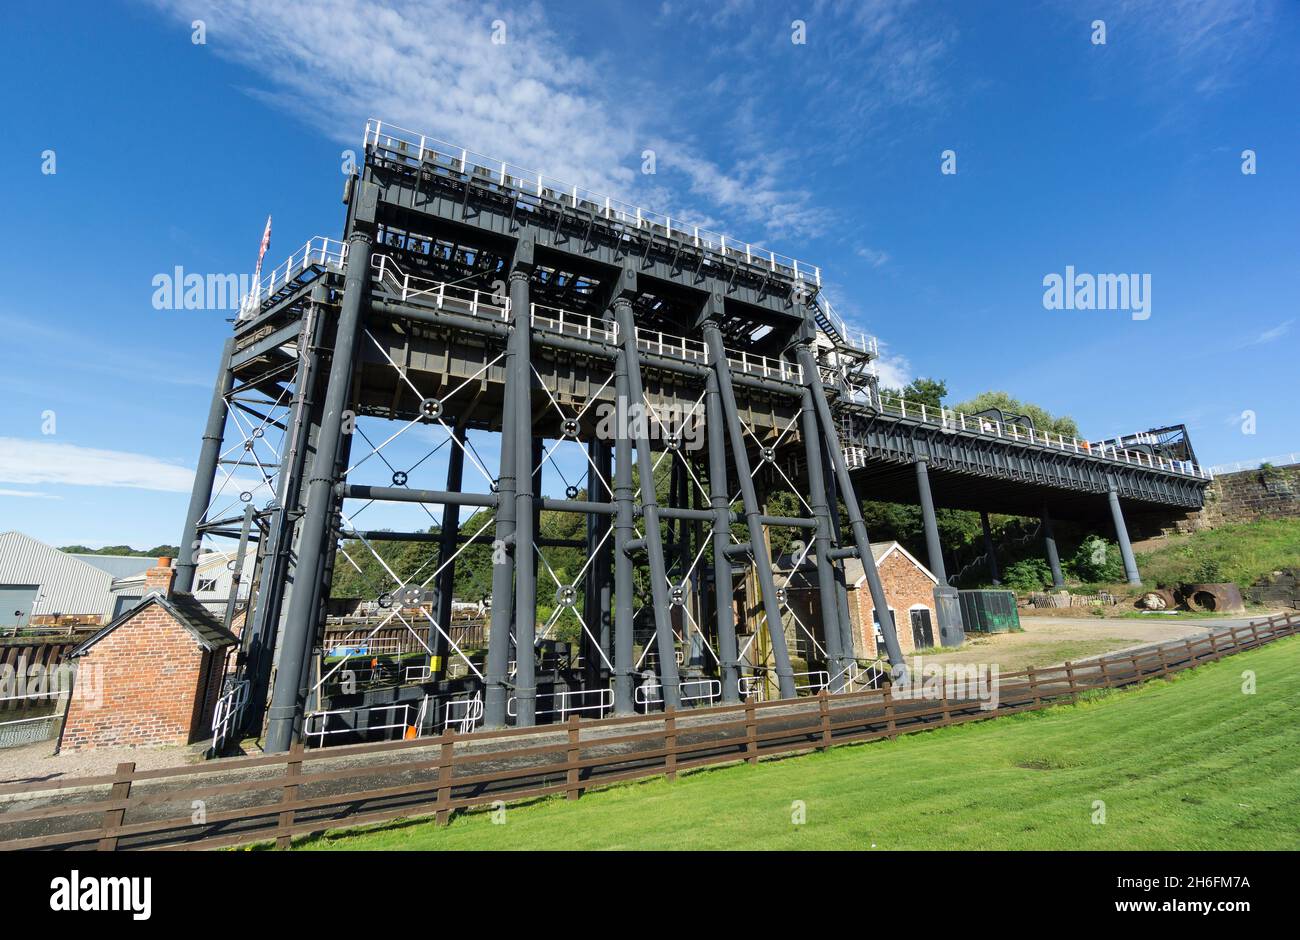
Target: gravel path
point(32, 763)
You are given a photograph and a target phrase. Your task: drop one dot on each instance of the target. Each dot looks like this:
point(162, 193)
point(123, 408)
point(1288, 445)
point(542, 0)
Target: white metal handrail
point(323, 731)
point(416, 149)
point(318, 252)
point(461, 714)
point(441, 294)
point(227, 712)
point(958, 421)
point(569, 702)
point(690, 690)
point(568, 323)
point(765, 366)
point(850, 336)
point(750, 686)
point(666, 344)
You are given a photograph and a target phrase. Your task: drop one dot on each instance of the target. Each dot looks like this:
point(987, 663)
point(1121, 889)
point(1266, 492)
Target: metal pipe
point(724, 587)
point(205, 473)
point(285, 716)
point(753, 512)
point(1049, 545)
point(989, 550)
point(448, 541)
point(525, 510)
point(624, 533)
point(831, 628)
point(667, 649)
point(1121, 535)
point(933, 547)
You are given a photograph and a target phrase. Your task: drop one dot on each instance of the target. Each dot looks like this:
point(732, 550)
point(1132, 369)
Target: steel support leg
point(822, 542)
point(720, 503)
point(665, 645)
point(753, 511)
point(504, 556)
point(285, 724)
point(624, 534)
point(856, 523)
point(933, 547)
point(990, 551)
point(597, 593)
point(1121, 535)
point(850, 641)
point(1049, 544)
point(525, 508)
point(448, 543)
point(204, 474)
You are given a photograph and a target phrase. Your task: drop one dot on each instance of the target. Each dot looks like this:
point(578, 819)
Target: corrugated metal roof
point(119, 566)
point(66, 584)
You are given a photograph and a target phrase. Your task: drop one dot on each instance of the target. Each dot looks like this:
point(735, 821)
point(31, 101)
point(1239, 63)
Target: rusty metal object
point(1221, 598)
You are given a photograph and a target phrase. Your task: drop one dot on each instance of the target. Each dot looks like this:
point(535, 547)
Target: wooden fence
point(278, 797)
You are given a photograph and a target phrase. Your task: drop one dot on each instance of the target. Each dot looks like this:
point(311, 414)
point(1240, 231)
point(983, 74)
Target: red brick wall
point(905, 586)
point(152, 675)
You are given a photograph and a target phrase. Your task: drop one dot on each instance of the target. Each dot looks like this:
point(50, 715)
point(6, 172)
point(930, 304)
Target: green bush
point(1207, 571)
point(1097, 561)
point(1028, 574)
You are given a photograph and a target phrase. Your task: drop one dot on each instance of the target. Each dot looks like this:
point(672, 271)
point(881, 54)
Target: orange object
point(410, 733)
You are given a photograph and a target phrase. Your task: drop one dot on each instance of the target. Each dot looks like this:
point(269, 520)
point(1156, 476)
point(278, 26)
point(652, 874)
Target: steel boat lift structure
point(470, 296)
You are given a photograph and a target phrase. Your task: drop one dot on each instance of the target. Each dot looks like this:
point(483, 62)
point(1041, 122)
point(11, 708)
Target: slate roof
point(197, 620)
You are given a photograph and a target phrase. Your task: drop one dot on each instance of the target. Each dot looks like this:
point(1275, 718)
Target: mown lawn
point(1186, 763)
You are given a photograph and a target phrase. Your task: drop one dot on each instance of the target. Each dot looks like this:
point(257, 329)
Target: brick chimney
point(158, 580)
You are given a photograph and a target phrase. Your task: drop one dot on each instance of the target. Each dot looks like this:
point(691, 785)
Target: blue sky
point(1122, 157)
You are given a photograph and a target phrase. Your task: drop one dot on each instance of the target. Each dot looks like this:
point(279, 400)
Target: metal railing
point(690, 690)
point(441, 294)
point(319, 252)
point(954, 421)
point(462, 714)
point(571, 702)
point(225, 717)
point(850, 336)
point(666, 344)
point(568, 323)
point(324, 730)
point(420, 150)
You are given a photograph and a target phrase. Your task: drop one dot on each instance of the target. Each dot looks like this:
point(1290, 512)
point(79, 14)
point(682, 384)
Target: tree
point(921, 391)
point(1042, 418)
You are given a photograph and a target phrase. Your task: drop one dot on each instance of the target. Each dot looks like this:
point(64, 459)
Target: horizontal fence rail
point(277, 797)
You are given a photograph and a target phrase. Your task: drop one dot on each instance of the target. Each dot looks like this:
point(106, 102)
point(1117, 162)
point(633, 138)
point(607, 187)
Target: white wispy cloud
point(1272, 334)
point(895, 370)
point(872, 256)
point(530, 100)
point(28, 494)
point(33, 461)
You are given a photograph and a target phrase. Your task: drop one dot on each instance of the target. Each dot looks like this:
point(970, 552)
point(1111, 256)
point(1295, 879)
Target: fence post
point(1101, 673)
point(446, 764)
point(824, 710)
point(1069, 677)
point(113, 817)
point(1137, 668)
point(1164, 663)
point(751, 733)
point(947, 708)
point(1032, 675)
point(670, 742)
point(289, 793)
point(571, 760)
point(1214, 647)
point(1254, 632)
point(890, 726)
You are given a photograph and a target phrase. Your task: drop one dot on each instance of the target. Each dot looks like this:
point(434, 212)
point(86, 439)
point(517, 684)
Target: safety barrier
point(278, 797)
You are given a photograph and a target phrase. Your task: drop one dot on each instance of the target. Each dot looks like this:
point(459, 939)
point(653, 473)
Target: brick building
point(159, 667)
point(909, 587)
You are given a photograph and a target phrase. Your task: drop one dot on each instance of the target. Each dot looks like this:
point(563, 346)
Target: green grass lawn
point(1186, 763)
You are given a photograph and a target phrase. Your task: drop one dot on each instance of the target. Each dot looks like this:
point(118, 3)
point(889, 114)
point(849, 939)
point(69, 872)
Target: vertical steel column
point(1049, 544)
point(850, 635)
point(285, 715)
point(859, 527)
point(205, 473)
point(624, 534)
point(753, 512)
point(278, 572)
point(598, 593)
point(720, 502)
point(1121, 535)
point(989, 549)
point(237, 573)
point(933, 547)
point(665, 646)
point(448, 544)
point(832, 629)
point(525, 508)
point(504, 554)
